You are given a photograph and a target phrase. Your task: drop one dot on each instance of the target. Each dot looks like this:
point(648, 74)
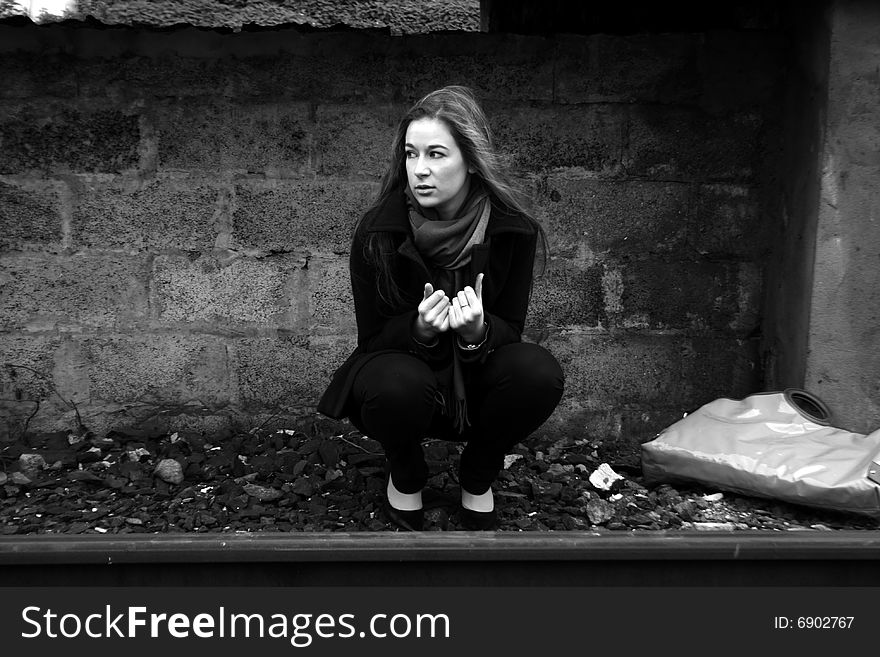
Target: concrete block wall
point(843, 365)
point(176, 208)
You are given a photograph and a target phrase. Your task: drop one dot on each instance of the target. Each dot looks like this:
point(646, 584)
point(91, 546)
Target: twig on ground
point(360, 447)
point(265, 422)
point(69, 402)
point(29, 418)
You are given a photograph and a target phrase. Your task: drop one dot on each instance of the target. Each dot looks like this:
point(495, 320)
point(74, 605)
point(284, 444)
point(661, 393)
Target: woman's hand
point(433, 316)
point(466, 313)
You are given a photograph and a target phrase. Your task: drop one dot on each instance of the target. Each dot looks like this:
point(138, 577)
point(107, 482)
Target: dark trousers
point(509, 396)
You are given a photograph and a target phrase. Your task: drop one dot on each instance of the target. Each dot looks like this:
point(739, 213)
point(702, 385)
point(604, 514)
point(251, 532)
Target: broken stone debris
point(282, 482)
point(170, 471)
point(31, 465)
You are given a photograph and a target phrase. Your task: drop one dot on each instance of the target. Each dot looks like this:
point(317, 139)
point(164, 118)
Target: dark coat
point(506, 258)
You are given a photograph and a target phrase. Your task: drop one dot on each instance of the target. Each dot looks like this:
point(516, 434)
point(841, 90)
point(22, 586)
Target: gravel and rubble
point(286, 480)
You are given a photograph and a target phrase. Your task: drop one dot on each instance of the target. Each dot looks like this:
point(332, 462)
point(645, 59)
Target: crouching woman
point(441, 271)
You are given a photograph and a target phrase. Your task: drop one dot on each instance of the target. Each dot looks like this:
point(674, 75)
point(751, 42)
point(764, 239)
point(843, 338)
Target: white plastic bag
point(777, 445)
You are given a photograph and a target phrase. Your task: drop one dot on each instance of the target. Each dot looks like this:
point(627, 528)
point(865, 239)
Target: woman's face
point(435, 168)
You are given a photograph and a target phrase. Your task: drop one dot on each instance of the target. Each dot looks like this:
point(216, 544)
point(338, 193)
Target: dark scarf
point(446, 245)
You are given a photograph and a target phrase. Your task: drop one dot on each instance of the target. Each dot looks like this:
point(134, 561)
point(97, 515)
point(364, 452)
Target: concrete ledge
point(838, 559)
point(451, 546)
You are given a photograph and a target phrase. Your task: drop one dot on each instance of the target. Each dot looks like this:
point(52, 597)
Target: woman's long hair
point(459, 110)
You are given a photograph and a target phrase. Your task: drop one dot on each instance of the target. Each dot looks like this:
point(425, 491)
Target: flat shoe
point(478, 520)
point(411, 521)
